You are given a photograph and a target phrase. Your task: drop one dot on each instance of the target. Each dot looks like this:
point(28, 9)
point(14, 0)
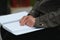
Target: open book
point(11, 23)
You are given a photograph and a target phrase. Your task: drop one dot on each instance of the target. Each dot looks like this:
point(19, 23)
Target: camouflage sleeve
point(34, 12)
point(48, 20)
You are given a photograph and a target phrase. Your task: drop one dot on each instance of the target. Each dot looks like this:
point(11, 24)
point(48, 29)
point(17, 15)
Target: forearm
point(48, 20)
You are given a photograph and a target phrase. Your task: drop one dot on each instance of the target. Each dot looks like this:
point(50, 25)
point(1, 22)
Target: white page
point(12, 17)
point(17, 29)
point(11, 24)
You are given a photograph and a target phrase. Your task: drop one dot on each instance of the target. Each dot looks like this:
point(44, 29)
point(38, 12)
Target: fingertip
point(21, 24)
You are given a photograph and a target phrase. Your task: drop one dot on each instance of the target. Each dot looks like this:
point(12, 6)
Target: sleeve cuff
point(45, 21)
point(32, 12)
point(39, 23)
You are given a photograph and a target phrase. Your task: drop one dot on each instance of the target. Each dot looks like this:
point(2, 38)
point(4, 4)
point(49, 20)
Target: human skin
point(27, 20)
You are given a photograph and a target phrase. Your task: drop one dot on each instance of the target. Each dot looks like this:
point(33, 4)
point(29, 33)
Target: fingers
point(23, 20)
point(29, 23)
point(28, 20)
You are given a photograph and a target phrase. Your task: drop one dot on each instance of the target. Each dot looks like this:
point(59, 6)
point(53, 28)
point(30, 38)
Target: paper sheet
point(11, 24)
point(17, 29)
point(12, 17)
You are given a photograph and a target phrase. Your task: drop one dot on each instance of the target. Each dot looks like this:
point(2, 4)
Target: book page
point(11, 17)
point(17, 29)
point(11, 24)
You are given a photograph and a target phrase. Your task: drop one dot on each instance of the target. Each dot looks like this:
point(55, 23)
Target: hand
point(28, 20)
point(23, 20)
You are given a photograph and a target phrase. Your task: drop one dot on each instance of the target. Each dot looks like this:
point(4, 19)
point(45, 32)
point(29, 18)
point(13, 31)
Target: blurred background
point(21, 5)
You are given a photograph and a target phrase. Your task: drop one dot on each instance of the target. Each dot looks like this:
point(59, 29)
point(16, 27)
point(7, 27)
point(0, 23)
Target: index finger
point(23, 20)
